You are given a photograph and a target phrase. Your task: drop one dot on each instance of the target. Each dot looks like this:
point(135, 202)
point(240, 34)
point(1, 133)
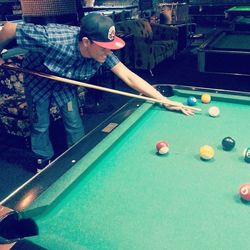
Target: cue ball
point(214, 111)
point(206, 152)
point(162, 147)
point(245, 191)
point(206, 98)
point(228, 143)
point(191, 101)
point(246, 155)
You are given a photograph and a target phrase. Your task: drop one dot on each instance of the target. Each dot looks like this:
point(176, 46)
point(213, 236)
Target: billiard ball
point(206, 98)
point(214, 111)
point(228, 143)
point(191, 101)
point(206, 152)
point(245, 191)
point(162, 147)
point(246, 155)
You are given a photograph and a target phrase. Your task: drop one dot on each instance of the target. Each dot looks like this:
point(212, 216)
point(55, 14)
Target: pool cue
point(86, 85)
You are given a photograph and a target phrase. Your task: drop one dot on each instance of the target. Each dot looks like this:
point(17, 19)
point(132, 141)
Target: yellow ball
point(206, 152)
point(206, 98)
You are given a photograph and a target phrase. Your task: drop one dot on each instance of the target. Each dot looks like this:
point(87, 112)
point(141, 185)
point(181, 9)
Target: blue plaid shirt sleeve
point(111, 61)
point(38, 38)
point(31, 37)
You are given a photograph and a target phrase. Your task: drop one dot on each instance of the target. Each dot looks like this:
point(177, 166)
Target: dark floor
point(16, 160)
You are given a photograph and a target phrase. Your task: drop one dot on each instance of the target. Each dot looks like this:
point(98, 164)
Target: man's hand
point(177, 106)
point(7, 35)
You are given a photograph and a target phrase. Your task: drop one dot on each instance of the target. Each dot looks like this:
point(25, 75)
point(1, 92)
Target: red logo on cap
point(111, 33)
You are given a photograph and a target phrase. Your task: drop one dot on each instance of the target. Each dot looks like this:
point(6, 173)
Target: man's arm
point(7, 34)
point(139, 84)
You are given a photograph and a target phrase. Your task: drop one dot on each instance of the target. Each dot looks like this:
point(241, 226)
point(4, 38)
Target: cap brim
point(117, 43)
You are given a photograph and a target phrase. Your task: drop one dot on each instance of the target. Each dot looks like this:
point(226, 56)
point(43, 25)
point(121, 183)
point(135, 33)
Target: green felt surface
point(132, 198)
point(232, 42)
point(61, 185)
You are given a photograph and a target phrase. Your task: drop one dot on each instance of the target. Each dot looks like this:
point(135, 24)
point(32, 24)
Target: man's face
point(94, 51)
point(98, 53)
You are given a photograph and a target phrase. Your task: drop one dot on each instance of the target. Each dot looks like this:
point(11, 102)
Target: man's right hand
point(7, 35)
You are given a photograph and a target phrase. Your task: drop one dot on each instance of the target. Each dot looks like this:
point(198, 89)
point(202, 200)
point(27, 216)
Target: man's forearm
point(7, 34)
point(136, 82)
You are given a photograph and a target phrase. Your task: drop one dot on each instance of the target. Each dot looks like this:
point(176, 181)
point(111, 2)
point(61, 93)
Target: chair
point(48, 11)
point(152, 43)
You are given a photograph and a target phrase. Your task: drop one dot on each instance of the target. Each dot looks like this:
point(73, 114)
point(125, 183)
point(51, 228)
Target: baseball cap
point(100, 30)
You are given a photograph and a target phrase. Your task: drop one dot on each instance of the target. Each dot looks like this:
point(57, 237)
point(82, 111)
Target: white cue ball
point(214, 111)
point(163, 150)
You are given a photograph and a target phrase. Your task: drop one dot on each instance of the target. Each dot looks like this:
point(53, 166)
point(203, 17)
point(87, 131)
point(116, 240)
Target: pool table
point(113, 191)
point(237, 11)
point(241, 24)
point(226, 52)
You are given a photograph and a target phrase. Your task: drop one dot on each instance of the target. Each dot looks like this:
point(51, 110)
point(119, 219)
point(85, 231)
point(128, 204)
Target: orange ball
point(206, 98)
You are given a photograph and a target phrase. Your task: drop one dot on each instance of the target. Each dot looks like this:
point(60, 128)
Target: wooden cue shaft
point(83, 84)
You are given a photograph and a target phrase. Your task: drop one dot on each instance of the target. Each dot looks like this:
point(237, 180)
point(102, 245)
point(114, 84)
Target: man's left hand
point(177, 106)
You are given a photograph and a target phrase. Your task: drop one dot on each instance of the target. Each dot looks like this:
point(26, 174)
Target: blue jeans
point(40, 121)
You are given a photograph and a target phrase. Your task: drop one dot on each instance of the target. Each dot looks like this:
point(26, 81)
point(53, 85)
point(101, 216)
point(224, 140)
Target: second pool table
point(237, 11)
point(113, 191)
point(226, 52)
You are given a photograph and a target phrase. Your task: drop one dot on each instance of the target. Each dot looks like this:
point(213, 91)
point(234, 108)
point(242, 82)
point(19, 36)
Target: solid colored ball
point(191, 101)
point(206, 152)
point(246, 155)
point(214, 111)
point(228, 143)
point(245, 191)
point(162, 147)
point(206, 98)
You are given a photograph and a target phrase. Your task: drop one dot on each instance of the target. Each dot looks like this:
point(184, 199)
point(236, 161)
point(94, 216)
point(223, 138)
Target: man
point(75, 53)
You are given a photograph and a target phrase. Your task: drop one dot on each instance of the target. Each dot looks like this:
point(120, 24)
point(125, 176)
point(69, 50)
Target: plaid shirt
point(54, 48)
